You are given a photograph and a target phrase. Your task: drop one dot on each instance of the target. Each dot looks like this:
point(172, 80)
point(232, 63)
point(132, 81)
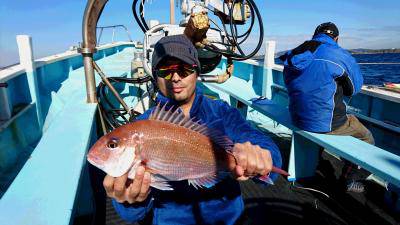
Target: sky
point(56, 25)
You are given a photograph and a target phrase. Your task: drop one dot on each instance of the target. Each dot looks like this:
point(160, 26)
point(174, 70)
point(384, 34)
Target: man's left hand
point(251, 160)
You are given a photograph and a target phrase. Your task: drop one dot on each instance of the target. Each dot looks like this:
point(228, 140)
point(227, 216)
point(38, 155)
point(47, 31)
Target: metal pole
point(109, 85)
point(112, 39)
point(91, 16)
point(101, 32)
point(129, 35)
point(89, 76)
point(172, 12)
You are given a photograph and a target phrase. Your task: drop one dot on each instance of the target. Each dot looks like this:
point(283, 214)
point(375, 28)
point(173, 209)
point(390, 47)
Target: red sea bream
point(171, 146)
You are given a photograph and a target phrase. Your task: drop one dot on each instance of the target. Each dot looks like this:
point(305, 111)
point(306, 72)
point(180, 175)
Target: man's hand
point(251, 160)
point(124, 190)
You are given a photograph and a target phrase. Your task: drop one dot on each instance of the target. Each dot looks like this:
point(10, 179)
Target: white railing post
point(269, 62)
point(24, 43)
point(112, 39)
point(269, 58)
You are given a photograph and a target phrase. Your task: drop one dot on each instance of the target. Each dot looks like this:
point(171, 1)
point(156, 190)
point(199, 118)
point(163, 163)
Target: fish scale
point(187, 159)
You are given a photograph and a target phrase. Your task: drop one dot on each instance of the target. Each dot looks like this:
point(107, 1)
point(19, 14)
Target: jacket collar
point(324, 39)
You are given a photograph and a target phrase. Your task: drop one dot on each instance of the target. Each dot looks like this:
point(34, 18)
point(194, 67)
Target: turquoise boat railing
point(53, 185)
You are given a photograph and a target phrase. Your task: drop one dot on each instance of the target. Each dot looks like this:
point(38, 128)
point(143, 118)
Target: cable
point(251, 23)
point(114, 116)
point(247, 33)
point(232, 36)
point(261, 37)
point(141, 8)
point(140, 20)
point(310, 189)
point(136, 16)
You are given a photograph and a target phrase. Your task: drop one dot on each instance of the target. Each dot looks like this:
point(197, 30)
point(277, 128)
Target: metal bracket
point(87, 50)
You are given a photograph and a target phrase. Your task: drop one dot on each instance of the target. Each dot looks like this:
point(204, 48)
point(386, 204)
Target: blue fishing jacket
point(318, 73)
point(221, 204)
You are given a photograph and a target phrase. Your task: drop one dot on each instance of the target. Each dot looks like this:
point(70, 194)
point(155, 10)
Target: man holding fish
point(187, 149)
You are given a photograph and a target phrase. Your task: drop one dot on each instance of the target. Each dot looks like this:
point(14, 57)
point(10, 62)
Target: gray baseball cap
point(176, 46)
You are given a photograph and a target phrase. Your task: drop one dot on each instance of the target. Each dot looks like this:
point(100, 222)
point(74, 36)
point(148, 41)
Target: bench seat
point(305, 145)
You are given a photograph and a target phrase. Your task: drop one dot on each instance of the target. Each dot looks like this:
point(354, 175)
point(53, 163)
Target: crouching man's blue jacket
point(221, 204)
point(318, 73)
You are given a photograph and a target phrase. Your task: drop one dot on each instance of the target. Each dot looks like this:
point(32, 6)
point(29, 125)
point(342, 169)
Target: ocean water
point(376, 73)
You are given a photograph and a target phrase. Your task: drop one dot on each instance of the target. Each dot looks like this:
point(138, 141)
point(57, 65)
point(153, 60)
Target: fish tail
point(266, 179)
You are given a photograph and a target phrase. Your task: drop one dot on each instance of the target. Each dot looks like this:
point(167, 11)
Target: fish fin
point(155, 112)
point(161, 112)
point(266, 179)
point(157, 181)
point(160, 182)
point(219, 138)
point(207, 181)
point(162, 185)
point(215, 135)
point(175, 116)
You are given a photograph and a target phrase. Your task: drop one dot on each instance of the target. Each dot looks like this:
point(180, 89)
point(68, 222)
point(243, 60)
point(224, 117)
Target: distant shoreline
point(359, 51)
point(374, 51)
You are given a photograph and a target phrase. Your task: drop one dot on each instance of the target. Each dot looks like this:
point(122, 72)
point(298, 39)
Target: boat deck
point(288, 203)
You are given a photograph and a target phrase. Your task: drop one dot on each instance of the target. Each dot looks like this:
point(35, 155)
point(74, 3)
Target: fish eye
point(113, 143)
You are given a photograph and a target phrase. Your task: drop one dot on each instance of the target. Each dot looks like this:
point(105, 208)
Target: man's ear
point(336, 39)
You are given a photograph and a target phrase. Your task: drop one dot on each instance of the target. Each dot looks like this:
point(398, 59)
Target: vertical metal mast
point(171, 12)
point(93, 11)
